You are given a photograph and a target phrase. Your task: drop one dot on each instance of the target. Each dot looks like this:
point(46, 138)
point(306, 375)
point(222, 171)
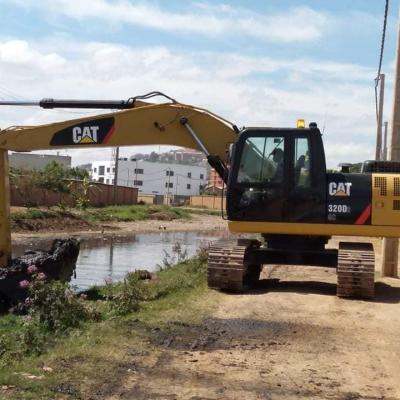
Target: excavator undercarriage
point(236, 267)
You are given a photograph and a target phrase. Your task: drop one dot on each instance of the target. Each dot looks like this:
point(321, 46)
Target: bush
point(55, 307)
point(125, 297)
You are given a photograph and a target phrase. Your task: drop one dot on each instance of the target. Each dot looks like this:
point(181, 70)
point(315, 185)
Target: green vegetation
point(90, 334)
point(136, 213)
point(107, 214)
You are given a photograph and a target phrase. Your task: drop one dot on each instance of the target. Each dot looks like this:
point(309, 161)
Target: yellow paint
point(313, 229)
point(5, 229)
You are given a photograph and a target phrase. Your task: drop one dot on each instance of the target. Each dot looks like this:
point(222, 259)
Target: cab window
point(302, 163)
point(262, 160)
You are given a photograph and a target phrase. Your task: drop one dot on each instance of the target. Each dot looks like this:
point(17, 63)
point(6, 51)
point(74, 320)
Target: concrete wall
point(29, 161)
point(99, 195)
point(147, 198)
point(213, 202)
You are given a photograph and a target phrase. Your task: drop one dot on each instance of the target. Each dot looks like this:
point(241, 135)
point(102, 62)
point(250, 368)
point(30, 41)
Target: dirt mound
point(162, 216)
point(52, 224)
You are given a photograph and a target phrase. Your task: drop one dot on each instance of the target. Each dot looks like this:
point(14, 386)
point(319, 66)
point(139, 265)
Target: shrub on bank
point(52, 309)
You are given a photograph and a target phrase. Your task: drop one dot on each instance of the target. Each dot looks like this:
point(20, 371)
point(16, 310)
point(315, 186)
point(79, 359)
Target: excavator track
point(356, 270)
point(227, 266)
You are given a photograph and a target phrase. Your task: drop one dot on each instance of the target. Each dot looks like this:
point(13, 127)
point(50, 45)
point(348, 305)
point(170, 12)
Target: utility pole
point(116, 176)
point(390, 246)
point(378, 152)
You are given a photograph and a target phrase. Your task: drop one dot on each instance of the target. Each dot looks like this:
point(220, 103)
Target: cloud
point(250, 91)
point(296, 24)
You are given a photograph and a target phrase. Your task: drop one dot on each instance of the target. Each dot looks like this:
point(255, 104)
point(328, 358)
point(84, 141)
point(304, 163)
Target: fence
point(99, 194)
point(207, 202)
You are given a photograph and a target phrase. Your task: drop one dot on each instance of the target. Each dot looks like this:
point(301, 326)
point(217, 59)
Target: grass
point(36, 213)
point(107, 214)
point(135, 213)
point(98, 350)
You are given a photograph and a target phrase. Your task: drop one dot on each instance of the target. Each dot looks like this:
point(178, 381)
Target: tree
point(52, 178)
point(154, 157)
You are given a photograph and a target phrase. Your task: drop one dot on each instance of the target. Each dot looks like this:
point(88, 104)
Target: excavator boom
point(145, 124)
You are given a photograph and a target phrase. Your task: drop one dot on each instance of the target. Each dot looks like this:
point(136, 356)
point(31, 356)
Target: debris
point(29, 376)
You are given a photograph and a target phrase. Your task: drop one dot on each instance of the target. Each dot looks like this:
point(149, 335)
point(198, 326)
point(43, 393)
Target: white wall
point(151, 178)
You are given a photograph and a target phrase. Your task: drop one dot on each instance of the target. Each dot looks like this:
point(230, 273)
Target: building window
point(138, 183)
point(201, 176)
point(169, 173)
point(108, 170)
point(94, 170)
point(101, 180)
point(188, 186)
point(113, 170)
point(107, 181)
point(189, 174)
point(171, 185)
point(138, 170)
point(101, 170)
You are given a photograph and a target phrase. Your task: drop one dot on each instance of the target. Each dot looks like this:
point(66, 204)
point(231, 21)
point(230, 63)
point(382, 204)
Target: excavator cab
point(277, 175)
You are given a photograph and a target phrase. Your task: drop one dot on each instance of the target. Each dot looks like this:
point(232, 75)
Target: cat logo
point(85, 134)
point(340, 189)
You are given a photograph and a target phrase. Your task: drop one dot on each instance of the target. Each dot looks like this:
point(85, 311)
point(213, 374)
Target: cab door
point(307, 178)
point(257, 189)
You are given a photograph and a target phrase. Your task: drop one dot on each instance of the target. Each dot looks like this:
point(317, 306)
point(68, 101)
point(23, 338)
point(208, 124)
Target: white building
point(153, 177)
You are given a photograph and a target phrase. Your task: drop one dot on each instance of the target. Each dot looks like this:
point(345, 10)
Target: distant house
point(28, 161)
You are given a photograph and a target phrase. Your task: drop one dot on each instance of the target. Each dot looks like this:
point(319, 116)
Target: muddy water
point(107, 258)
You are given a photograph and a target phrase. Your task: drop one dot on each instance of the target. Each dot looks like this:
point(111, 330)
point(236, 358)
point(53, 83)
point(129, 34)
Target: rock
point(58, 263)
point(143, 274)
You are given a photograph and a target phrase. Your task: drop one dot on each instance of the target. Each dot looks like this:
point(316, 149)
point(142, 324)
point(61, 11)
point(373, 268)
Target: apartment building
point(153, 177)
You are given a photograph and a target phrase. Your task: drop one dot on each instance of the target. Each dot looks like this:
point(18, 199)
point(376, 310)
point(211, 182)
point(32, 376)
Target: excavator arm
point(145, 124)
point(142, 124)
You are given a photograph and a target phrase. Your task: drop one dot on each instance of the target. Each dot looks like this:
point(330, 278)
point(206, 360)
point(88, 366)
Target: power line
point(377, 79)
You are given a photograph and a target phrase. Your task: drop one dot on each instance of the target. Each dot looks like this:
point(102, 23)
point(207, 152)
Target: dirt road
point(196, 223)
point(291, 338)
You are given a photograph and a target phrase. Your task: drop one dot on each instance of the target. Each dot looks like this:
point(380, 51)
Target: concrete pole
point(169, 180)
point(5, 227)
point(116, 176)
point(385, 150)
point(390, 246)
point(378, 152)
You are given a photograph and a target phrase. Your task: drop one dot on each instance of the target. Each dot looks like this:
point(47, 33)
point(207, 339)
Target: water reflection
point(112, 258)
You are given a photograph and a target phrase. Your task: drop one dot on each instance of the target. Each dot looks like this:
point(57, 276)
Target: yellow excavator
point(276, 180)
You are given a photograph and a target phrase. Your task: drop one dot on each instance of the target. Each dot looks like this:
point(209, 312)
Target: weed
point(125, 297)
point(178, 255)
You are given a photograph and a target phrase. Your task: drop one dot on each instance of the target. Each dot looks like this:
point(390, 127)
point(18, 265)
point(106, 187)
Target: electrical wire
point(377, 79)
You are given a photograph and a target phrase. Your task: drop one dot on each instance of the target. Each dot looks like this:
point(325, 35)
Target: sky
point(256, 63)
